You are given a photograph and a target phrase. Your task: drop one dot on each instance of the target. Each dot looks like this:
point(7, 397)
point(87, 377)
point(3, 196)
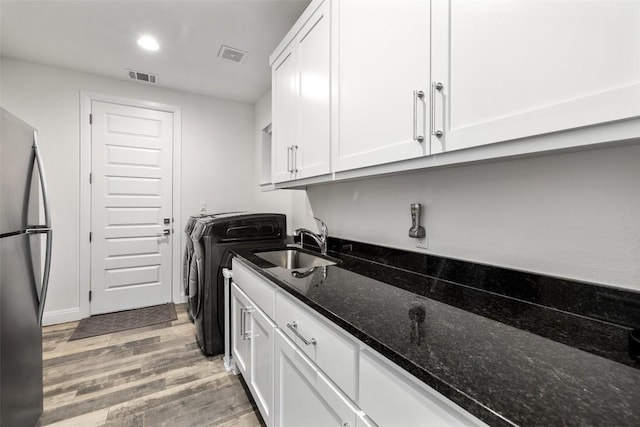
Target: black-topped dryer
point(189, 266)
point(188, 285)
point(214, 237)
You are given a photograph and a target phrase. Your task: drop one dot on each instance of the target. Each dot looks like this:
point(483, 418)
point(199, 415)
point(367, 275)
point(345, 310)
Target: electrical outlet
point(203, 206)
point(422, 243)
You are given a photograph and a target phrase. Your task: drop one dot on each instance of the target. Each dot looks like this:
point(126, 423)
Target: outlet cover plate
point(422, 243)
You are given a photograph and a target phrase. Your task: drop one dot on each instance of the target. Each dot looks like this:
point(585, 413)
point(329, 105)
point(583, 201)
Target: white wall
point(573, 215)
point(217, 156)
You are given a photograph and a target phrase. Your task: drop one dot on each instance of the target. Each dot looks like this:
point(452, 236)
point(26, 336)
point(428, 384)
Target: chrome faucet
point(320, 239)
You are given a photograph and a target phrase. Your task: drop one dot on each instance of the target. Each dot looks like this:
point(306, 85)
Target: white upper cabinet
point(285, 112)
point(301, 78)
point(366, 87)
point(312, 158)
point(383, 60)
point(516, 69)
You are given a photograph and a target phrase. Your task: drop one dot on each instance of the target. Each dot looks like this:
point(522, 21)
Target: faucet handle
point(324, 230)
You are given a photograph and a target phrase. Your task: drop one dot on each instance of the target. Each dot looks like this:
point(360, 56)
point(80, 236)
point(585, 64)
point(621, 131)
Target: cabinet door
point(240, 348)
point(391, 399)
point(383, 57)
point(285, 115)
point(514, 69)
point(335, 353)
point(304, 397)
point(261, 338)
point(314, 64)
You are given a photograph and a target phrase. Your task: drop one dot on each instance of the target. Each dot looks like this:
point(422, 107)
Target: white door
point(285, 116)
point(240, 349)
point(261, 376)
point(314, 66)
point(384, 57)
point(304, 396)
point(131, 194)
point(515, 69)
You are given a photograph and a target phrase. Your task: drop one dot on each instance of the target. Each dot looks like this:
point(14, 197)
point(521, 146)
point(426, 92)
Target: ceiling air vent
point(143, 77)
point(231, 54)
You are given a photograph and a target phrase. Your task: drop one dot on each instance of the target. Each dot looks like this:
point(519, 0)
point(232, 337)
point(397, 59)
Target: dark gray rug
point(124, 320)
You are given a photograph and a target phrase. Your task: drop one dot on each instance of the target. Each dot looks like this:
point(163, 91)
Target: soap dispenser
point(416, 231)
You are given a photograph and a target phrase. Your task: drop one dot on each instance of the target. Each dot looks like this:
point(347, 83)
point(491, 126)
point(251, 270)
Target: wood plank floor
point(153, 376)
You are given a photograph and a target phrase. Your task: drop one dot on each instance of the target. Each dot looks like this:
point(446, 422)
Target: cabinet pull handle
point(289, 150)
point(435, 86)
point(293, 326)
point(247, 333)
point(242, 333)
point(416, 94)
point(294, 168)
point(243, 323)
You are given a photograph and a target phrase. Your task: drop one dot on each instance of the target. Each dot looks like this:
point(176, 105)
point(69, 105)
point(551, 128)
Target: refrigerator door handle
point(45, 278)
point(43, 181)
point(46, 228)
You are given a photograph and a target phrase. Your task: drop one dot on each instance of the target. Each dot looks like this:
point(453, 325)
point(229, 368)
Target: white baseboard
point(61, 316)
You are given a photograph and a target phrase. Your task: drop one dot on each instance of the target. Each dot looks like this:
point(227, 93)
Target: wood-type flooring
point(153, 376)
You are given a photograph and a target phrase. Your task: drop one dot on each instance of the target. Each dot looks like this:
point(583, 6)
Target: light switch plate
point(422, 243)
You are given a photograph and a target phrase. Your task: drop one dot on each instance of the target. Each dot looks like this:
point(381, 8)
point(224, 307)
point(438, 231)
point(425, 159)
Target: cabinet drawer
point(261, 292)
point(392, 397)
point(333, 351)
point(304, 395)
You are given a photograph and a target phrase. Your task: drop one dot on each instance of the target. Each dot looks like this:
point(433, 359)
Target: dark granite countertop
point(502, 374)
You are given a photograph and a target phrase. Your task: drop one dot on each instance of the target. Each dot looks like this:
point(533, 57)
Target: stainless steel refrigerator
point(25, 240)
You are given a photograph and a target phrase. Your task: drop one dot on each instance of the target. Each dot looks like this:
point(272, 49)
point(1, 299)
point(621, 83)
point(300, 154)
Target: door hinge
point(90, 296)
point(90, 235)
point(90, 119)
point(90, 178)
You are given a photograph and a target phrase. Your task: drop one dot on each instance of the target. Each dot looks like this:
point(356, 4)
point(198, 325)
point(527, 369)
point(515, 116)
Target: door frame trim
point(85, 192)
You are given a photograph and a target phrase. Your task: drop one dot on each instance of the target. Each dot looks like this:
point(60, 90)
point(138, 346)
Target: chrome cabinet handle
point(289, 150)
point(293, 326)
point(46, 228)
point(416, 94)
point(295, 159)
point(165, 232)
point(246, 335)
point(242, 322)
point(435, 86)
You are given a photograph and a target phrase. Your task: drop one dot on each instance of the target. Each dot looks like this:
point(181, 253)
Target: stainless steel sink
point(293, 259)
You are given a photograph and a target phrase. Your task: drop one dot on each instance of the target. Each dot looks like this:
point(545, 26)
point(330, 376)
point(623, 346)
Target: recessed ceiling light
point(148, 43)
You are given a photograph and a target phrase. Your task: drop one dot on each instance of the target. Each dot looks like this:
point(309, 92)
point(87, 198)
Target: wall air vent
point(231, 54)
point(143, 77)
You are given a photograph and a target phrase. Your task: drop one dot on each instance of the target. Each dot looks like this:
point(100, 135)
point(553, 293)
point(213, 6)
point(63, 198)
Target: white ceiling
point(99, 37)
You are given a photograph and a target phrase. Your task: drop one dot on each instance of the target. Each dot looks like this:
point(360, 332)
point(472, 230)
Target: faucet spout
point(320, 239)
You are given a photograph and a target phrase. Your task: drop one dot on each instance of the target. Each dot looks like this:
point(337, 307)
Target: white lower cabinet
point(253, 340)
point(304, 396)
point(391, 398)
point(239, 344)
point(333, 351)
